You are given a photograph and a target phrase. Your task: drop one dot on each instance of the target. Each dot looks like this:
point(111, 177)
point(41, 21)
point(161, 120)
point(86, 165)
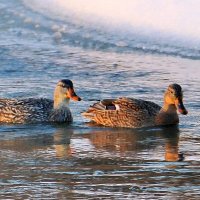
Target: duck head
point(64, 91)
point(174, 96)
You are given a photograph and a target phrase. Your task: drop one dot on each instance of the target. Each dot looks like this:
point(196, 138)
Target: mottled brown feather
point(129, 112)
point(32, 110)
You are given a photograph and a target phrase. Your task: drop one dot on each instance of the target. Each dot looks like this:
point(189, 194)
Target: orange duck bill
point(72, 95)
point(180, 107)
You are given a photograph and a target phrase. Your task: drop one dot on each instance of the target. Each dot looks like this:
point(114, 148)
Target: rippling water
point(80, 161)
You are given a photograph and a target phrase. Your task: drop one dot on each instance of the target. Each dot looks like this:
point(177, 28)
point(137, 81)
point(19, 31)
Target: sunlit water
point(80, 161)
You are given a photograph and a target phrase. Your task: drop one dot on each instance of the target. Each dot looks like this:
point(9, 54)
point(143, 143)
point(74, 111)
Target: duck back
point(28, 110)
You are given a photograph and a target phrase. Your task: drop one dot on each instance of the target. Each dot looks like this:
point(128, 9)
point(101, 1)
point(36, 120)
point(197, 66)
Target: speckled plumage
point(131, 112)
point(135, 113)
point(24, 110)
point(32, 110)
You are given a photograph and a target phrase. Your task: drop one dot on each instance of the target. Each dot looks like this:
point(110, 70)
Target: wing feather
point(22, 110)
point(128, 112)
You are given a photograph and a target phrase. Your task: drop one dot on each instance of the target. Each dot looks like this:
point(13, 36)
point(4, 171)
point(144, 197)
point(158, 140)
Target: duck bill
point(180, 107)
point(72, 95)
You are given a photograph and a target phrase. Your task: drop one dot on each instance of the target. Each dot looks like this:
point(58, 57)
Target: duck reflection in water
point(172, 145)
point(61, 141)
point(137, 140)
point(58, 141)
point(124, 141)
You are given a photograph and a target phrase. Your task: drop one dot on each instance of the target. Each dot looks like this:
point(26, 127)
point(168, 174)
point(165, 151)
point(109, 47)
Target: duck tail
point(90, 113)
point(98, 106)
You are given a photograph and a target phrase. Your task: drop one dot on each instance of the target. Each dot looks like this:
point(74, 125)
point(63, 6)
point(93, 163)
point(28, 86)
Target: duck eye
point(66, 86)
point(62, 85)
point(171, 92)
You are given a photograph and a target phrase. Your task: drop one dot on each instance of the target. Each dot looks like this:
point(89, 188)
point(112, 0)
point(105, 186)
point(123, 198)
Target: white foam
point(169, 16)
point(166, 27)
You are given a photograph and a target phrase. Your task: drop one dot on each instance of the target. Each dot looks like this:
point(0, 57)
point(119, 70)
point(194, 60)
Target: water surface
point(80, 161)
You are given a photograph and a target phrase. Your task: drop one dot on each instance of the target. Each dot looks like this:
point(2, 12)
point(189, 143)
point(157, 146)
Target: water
point(39, 46)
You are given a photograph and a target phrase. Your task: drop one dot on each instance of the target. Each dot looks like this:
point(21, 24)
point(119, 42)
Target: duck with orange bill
point(33, 110)
point(136, 113)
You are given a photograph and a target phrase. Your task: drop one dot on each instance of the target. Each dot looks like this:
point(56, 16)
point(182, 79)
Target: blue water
point(42, 43)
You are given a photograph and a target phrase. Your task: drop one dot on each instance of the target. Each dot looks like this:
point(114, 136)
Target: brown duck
point(135, 113)
point(33, 110)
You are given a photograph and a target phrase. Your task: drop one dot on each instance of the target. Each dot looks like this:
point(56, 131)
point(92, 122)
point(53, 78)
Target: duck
point(34, 110)
point(137, 113)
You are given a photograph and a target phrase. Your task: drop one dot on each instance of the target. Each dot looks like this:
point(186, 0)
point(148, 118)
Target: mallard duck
point(135, 113)
point(33, 110)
